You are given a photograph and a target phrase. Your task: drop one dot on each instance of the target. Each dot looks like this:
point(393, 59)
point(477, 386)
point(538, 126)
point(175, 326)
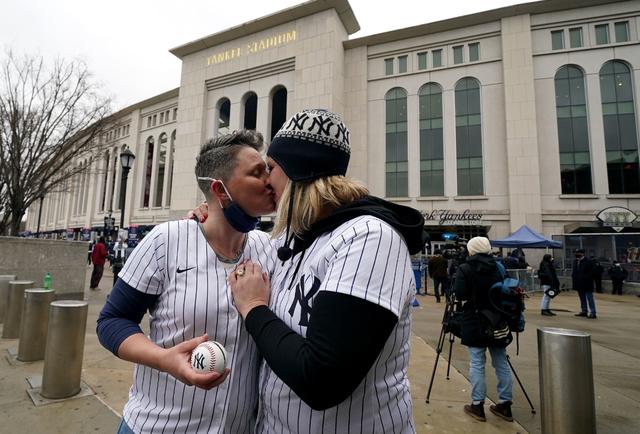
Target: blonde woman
point(333, 322)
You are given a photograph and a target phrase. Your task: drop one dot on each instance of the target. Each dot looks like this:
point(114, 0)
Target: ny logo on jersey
point(198, 361)
point(303, 300)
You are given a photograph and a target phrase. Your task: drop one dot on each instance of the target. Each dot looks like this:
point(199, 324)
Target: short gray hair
point(217, 158)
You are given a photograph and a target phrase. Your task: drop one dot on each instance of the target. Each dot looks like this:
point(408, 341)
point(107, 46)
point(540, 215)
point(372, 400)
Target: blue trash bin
point(417, 272)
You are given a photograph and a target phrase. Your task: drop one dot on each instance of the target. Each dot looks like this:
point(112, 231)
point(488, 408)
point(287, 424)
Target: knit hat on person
point(478, 245)
point(312, 144)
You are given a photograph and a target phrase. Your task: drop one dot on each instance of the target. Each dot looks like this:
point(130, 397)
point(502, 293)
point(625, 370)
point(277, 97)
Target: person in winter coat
point(618, 276)
point(98, 257)
point(438, 272)
point(582, 277)
point(548, 280)
point(598, 269)
point(473, 281)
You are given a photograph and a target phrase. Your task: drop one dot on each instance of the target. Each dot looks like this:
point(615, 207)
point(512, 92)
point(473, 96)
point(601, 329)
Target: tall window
point(224, 115)
point(575, 37)
point(172, 152)
point(620, 134)
point(573, 134)
point(402, 64)
point(557, 40)
point(278, 109)
point(250, 111)
point(148, 168)
point(602, 34)
point(86, 190)
point(474, 52)
point(436, 58)
point(114, 197)
point(162, 164)
point(396, 168)
point(422, 60)
point(431, 155)
point(388, 66)
point(458, 55)
point(468, 137)
point(622, 31)
point(105, 179)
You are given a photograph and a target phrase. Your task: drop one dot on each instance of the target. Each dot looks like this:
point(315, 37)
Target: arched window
point(148, 168)
point(431, 142)
point(278, 109)
point(468, 137)
point(620, 133)
point(162, 164)
point(172, 151)
point(250, 111)
point(105, 179)
point(224, 116)
point(396, 167)
point(573, 134)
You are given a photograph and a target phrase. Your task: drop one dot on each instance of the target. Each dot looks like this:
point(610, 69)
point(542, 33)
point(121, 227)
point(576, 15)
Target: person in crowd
point(512, 262)
point(89, 251)
point(598, 269)
point(98, 257)
point(618, 275)
point(333, 322)
point(473, 281)
point(438, 272)
point(548, 281)
point(582, 279)
point(179, 274)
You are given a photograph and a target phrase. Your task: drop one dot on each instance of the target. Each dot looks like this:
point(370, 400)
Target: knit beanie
point(312, 144)
point(478, 245)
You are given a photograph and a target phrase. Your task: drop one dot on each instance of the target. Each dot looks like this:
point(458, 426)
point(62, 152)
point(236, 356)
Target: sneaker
point(502, 410)
point(546, 312)
point(592, 316)
point(551, 312)
point(581, 314)
point(476, 411)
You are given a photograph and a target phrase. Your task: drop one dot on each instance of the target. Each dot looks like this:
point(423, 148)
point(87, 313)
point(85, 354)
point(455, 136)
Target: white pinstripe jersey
point(365, 258)
point(175, 261)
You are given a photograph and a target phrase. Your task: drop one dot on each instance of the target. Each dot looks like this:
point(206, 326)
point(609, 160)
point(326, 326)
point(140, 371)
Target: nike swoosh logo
point(184, 269)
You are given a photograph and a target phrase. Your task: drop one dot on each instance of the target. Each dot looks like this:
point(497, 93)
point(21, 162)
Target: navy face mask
point(237, 218)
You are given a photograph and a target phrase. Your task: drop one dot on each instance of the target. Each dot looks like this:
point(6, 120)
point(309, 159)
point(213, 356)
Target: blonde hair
point(315, 200)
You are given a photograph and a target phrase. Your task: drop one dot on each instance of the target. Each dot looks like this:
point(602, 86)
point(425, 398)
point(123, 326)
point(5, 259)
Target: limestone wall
point(31, 259)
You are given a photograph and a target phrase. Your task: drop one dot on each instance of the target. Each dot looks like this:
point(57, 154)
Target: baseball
point(209, 357)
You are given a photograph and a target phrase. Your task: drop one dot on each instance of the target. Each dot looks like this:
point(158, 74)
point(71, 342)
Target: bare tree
point(50, 116)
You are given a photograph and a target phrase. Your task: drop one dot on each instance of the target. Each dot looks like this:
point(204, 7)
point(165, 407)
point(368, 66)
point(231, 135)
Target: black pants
point(438, 284)
point(96, 275)
point(617, 286)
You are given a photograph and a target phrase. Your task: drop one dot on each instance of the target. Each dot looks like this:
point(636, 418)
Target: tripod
point(453, 309)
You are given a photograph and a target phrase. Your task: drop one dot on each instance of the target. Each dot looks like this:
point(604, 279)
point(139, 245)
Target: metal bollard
point(566, 381)
point(64, 349)
point(11, 328)
point(33, 327)
point(4, 293)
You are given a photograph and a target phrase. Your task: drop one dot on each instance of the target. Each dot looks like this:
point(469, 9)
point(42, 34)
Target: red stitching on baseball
point(212, 361)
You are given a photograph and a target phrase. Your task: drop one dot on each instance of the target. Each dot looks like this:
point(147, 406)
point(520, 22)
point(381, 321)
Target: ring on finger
point(240, 272)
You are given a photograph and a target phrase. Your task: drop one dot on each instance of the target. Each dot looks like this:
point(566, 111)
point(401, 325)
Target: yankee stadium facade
point(526, 114)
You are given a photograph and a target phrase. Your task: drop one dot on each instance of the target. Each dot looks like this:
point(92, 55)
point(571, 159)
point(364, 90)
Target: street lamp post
point(126, 161)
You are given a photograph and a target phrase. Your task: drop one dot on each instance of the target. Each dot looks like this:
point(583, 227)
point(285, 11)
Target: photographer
point(473, 281)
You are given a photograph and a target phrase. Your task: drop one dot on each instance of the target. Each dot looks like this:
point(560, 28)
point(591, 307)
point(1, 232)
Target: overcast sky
point(126, 43)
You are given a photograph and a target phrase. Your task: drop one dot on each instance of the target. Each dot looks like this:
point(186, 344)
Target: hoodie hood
point(408, 221)
point(482, 263)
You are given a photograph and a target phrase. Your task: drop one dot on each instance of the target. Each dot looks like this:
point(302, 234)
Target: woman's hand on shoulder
point(200, 213)
point(176, 361)
point(250, 287)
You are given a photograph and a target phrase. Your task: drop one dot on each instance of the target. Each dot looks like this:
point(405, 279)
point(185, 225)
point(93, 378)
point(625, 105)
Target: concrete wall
point(31, 259)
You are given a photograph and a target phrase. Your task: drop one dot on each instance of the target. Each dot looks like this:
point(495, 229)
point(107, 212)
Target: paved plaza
point(616, 354)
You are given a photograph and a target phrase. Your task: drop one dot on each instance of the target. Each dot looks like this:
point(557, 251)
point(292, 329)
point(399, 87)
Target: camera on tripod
point(455, 248)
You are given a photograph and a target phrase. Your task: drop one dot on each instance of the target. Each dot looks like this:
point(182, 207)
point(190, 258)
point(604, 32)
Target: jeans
point(586, 299)
point(477, 359)
point(123, 428)
point(544, 304)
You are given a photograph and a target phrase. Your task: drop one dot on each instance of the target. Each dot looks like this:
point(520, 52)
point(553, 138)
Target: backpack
point(507, 297)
